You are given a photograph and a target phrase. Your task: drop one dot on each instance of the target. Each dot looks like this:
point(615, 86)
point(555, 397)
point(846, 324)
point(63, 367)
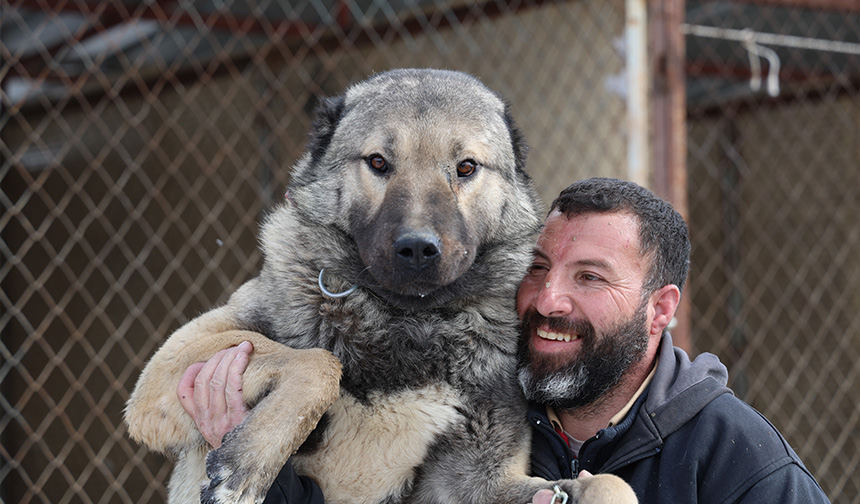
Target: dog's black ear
point(518, 140)
point(326, 118)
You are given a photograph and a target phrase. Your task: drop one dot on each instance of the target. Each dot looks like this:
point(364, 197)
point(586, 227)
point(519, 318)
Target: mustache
point(532, 319)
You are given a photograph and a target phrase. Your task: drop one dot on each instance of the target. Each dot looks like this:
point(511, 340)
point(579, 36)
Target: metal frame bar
point(837, 5)
point(636, 54)
point(668, 123)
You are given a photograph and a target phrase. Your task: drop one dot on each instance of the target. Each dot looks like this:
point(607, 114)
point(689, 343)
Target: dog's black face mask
point(413, 247)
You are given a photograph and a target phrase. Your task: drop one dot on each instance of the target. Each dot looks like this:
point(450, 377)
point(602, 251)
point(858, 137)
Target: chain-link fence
point(142, 142)
point(774, 184)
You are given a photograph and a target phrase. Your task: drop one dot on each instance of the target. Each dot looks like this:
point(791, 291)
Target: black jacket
point(686, 439)
point(291, 488)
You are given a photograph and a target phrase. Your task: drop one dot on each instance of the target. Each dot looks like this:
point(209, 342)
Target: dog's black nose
point(417, 250)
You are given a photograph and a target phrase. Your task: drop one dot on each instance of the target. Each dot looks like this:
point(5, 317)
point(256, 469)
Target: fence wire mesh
point(142, 142)
point(774, 197)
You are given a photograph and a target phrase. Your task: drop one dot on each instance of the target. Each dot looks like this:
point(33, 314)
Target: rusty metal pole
point(668, 125)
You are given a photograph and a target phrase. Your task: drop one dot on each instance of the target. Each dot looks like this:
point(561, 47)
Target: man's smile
point(555, 336)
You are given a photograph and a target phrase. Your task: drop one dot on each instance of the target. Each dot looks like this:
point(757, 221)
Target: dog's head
point(423, 171)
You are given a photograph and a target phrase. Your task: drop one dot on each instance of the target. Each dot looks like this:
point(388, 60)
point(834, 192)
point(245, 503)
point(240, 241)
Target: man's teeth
point(556, 336)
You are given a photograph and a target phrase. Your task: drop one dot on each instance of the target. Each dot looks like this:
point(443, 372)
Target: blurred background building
point(141, 142)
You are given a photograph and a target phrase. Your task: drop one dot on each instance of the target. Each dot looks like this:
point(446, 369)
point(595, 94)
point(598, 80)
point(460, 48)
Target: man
point(609, 391)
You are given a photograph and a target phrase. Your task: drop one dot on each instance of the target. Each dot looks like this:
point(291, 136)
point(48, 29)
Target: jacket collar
point(681, 387)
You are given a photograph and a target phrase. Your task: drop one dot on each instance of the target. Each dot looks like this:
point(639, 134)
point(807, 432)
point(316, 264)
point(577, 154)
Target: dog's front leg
point(286, 387)
point(299, 386)
point(153, 413)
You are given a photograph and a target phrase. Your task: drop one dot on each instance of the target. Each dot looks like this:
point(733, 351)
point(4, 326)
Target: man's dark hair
point(663, 235)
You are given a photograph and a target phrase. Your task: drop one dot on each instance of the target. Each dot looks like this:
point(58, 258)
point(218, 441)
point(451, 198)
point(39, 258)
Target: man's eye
point(537, 268)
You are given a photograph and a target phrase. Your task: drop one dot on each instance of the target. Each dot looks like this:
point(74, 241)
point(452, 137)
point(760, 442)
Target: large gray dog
point(412, 191)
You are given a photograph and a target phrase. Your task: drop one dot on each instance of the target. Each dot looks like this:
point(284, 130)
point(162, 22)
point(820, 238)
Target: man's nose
point(552, 299)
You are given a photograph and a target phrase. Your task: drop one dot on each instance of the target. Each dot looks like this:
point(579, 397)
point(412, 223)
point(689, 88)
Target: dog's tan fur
point(386, 440)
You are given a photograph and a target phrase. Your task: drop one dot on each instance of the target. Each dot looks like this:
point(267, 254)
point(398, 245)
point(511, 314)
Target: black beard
point(587, 379)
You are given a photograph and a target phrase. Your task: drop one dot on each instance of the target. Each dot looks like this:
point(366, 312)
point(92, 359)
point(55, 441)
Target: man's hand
point(211, 392)
point(546, 496)
point(543, 497)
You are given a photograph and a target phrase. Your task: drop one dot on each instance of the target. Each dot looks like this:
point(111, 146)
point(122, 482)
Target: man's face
point(585, 322)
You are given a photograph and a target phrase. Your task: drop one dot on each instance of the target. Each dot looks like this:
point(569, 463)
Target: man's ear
point(663, 302)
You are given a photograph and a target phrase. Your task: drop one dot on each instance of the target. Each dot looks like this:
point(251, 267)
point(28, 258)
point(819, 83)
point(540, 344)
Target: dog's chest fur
point(370, 449)
point(404, 390)
point(410, 381)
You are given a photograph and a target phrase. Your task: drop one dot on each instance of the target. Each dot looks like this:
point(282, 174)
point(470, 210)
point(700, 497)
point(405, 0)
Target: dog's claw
point(231, 482)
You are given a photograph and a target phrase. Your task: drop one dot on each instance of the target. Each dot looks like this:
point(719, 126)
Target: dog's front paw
point(234, 478)
point(603, 489)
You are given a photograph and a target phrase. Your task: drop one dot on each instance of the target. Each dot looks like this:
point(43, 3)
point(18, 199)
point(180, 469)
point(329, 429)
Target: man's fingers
point(211, 392)
point(201, 382)
point(236, 407)
point(543, 497)
point(218, 384)
point(185, 390)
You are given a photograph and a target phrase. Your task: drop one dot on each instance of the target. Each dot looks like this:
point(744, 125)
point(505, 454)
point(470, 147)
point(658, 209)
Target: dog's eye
point(466, 168)
point(378, 163)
